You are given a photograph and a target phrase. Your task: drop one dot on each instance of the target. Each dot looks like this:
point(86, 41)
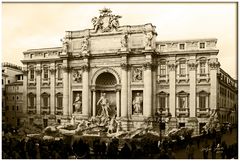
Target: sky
point(41, 25)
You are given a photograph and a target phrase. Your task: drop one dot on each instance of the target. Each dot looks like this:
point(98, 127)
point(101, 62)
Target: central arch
point(105, 82)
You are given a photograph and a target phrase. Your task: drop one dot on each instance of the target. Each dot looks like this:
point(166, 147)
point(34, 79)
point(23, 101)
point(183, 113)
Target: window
point(17, 97)
point(13, 97)
point(8, 81)
point(13, 108)
point(45, 101)
point(202, 45)
point(18, 122)
point(59, 72)
point(31, 100)
point(31, 55)
point(7, 108)
point(181, 125)
point(182, 68)
point(162, 102)
point(202, 102)
point(45, 72)
point(2, 82)
point(162, 68)
point(17, 108)
point(31, 121)
point(59, 100)
point(32, 74)
point(162, 47)
point(182, 46)
point(202, 68)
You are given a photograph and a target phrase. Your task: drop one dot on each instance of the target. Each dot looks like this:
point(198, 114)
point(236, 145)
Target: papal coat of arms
point(106, 21)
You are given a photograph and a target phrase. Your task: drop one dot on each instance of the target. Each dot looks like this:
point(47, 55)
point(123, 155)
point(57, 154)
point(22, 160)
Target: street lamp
point(159, 120)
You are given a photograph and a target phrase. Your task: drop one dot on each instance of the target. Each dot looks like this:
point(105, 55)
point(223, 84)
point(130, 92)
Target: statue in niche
point(77, 104)
point(137, 104)
point(104, 105)
point(77, 76)
point(149, 38)
point(137, 74)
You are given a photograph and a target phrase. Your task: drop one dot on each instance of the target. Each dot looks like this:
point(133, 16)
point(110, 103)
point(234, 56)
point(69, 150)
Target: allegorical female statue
point(137, 104)
point(104, 105)
point(77, 104)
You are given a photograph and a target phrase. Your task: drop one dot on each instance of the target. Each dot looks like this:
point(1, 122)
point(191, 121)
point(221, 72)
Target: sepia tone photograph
point(129, 80)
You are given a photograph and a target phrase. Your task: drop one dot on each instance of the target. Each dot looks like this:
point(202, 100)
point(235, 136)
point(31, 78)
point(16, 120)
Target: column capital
point(85, 68)
point(214, 65)
point(148, 65)
point(25, 71)
point(125, 66)
point(65, 68)
point(192, 66)
point(172, 66)
point(52, 70)
point(38, 70)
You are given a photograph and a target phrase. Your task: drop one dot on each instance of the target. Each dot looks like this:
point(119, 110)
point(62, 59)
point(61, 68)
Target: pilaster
point(214, 65)
point(172, 87)
point(25, 82)
point(38, 88)
point(52, 88)
point(192, 74)
point(124, 89)
point(147, 99)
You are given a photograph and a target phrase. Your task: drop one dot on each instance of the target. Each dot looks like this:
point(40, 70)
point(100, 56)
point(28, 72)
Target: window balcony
point(203, 111)
point(183, 112)
point(163, 78)
point(203, 77)
point(59, 81)
point(182, 77)
point(32, 110)
point(45, 110)
point(59, 111)
point(32, 81)
point(46, 81)
point(165, 111)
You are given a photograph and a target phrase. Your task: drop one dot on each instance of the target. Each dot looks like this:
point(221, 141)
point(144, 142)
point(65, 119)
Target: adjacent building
point(125, 70)
point(12, 82)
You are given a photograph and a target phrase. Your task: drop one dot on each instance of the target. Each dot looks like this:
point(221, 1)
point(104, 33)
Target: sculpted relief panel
point(137, 102)
point(137, 74)
point(77, 75)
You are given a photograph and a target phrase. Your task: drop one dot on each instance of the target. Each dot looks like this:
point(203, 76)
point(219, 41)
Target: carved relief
point(85, 67)
point(106, 21)
point(38, 70)
point(77, 75)
point(137, 74)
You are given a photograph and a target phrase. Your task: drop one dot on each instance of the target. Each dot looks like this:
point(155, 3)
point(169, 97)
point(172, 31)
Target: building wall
point(177, 77)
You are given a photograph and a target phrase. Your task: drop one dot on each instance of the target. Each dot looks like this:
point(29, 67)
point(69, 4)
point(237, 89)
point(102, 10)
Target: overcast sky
point(38, 25)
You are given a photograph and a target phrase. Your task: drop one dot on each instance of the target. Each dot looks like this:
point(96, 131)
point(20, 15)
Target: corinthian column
point(124, 90)
point(85, 90)
point(65, 88)
point(147, 100)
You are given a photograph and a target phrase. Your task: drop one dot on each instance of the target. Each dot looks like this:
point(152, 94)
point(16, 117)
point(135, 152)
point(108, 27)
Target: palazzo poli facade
point(124, 71)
